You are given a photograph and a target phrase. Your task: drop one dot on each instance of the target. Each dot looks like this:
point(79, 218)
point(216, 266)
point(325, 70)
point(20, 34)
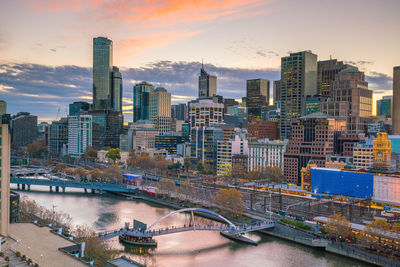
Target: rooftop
point(317, 115)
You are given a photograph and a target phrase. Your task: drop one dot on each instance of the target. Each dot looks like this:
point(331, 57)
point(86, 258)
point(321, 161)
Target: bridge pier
point(93, 191)
point(23, 186)
point(29, 187)
point(57, 189)
point(85, 190)
point(63, 189)
point(51, 188)
point(18, 186)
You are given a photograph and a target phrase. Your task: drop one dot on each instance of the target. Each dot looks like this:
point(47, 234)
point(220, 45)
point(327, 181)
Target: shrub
point(1, 253)
point(297, 224)
point(7, 258)
point(18, 253)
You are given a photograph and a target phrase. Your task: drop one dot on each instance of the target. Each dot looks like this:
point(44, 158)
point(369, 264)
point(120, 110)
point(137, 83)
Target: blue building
point(170, 142)
point(384, 106)
point(335, 181)
point(78, 108)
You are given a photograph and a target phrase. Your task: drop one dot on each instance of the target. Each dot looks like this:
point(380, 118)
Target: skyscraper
point(206, 112)
point(159, 109)
point(207, 84)
point(298, 80)
point(351, 100)
point(79, 134)
point(4, 174)
point(384, 106)
point(277, 92)
point(327, 71)
point(257, 95)
point(116, 93)
point(396, 100)
point(102, 68)
point(138, 101)
point(24, 129)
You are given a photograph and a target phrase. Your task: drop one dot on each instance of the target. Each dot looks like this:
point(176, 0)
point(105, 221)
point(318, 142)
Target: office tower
point(3, 107)
point(265, 153)
point(169, 141)
point(143, 135)
point(107, 126)
point(229, 102)
point(207, 84)
point(313, 104)
point(312, 138)
point(4, 174)
point(327, 71)
point(79, 134)
point(264, 129)
point(204, 145)
point(396, 101)
point(226, 149)
point(138, 107)
point(351, 100)
point(384, 106)
point(159, 108)
point(58, 137)
point(102, 68)
point(43, 132)
point(277, 92)
point(116, 89)
point(257, 97)
point(179, 112)
point(79, 107)
point(362, 154)
point(298, 80)
point(24, 129)
point(206, 112)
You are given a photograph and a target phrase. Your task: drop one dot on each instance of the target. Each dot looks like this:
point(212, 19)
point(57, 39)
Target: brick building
point(264, 129)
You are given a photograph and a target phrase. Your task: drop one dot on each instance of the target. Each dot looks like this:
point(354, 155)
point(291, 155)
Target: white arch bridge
point(151, 231)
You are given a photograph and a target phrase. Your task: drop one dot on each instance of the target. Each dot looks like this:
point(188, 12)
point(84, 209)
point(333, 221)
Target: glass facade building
point(384, 106)
point(169, 142)
point(58, 137)
point(102, 68)
point(77, 108)
point(140, 100)
point(257, 96)
point(116, 90)
point(207, 84)
point(107, 127)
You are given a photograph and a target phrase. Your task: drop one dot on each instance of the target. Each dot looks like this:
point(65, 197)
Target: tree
point(69, 171)
point(113, 154)
point(339, 227)
point(200, 167)
point(230, 201)
point(167, 187)
point(375, 234)
point(187, 163)
point(91, 152)
point(59, 167)
point(95, 174)
point(113, 174)
point(37, 149)
point(80, 173)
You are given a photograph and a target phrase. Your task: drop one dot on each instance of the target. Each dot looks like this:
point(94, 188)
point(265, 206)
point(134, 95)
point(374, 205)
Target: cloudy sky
point(46, 45)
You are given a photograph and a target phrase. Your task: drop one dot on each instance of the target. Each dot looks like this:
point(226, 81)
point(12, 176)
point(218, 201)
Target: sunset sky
point(46, 46)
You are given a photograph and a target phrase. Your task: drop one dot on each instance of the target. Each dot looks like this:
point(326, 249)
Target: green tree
point(339, 227)
point(91, 152)
point(200, 167)
point(187, 164)
point(113, 154)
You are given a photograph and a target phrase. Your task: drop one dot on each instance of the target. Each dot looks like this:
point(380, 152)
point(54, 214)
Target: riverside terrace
point(63, 184)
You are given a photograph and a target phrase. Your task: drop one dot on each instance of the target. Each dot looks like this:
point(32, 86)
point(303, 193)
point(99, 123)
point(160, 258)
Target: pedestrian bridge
point(151, 231)
point(63, 184)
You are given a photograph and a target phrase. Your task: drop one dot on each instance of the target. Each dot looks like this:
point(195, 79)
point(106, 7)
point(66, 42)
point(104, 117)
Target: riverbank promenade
point(39, 244)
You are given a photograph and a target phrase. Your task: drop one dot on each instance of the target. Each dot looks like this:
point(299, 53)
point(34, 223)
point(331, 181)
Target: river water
point(202, 248)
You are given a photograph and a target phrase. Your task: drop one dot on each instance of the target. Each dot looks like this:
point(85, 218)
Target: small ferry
point(138, 241)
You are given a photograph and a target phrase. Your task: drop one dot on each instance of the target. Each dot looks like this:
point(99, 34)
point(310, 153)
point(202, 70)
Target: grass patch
point(297, 224)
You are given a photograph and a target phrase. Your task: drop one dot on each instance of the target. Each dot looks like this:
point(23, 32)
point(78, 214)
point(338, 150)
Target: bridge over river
point(150, 232)
point(63, 184)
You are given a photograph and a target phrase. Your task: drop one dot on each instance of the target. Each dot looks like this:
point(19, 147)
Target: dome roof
point(160, 89)
point(351, 70)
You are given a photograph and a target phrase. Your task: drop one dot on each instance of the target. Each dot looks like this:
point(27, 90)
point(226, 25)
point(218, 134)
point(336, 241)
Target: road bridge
point(151, 231)
point(63, 184)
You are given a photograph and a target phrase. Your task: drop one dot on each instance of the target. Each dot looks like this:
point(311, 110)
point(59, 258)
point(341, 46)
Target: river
point(202, 248)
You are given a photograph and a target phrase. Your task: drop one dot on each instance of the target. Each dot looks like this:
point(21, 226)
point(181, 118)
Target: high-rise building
point(264, 129)
point(396, 101)
point(298, 80)
point(266, 153)
point(116, 89)
point(144, 134)
point(384, 106)
point(79, 134)
point(107, 126)
point(206, 112)
point(4, 174)
point(257, 97)
point(159, 109)
point(169, 141)
point(313, 104)
point(79, 107)
point(312, 138)
point(102, 78)
point(24, 129)
point(204, 145)
point(351, 100)
point(327, 71)
point(226, 149)
point(58, 137)
point(3, 107)
point(277, 92)
point(139, 101)
point(179, 112)
point(207, 84)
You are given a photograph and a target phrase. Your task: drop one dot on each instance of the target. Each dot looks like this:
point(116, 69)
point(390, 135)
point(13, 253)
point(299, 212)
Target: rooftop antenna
point(202, 66)
point(330, 56)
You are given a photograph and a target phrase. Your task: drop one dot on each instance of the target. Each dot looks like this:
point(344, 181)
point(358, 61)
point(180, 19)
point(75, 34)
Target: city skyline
point(51, 67)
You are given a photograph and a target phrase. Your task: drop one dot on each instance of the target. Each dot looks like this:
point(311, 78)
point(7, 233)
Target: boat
point(138, 241)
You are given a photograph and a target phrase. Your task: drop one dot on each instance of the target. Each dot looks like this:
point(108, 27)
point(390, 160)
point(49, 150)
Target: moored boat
point(138, 241)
